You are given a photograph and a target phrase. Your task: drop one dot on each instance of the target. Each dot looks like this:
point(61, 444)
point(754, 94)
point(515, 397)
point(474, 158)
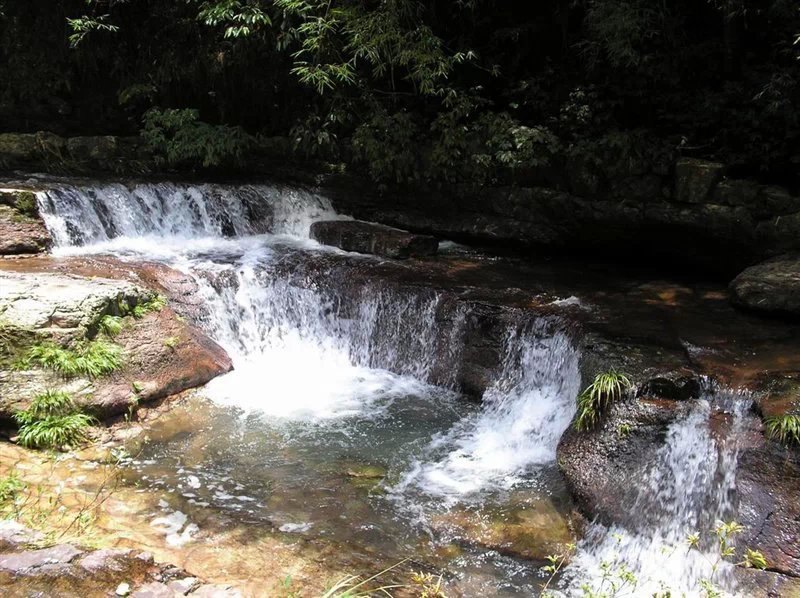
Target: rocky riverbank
point(675, 340)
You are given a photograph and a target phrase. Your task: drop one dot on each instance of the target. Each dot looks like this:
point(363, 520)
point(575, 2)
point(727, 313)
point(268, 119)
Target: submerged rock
point(528, 528)
point(377, 239)
point(772, 286)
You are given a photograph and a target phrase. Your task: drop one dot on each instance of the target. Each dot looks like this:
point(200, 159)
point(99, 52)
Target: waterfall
point(526, 410)
point(312, 343)
point(688, 487)
point(92, 216)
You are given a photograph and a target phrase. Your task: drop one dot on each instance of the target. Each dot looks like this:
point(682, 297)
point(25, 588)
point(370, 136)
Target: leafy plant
point(52, 421)
point(784, 428)
point(10, 487)
point(594, 400)
point(82, 26)
point(110, 325)
point(352, 586)
point(93, 359)
point(25, 202)
point(180, 137)
point(155, 304)
point(171, 342)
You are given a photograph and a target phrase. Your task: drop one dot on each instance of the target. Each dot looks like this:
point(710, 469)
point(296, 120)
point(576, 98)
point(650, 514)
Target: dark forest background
point(404, 91)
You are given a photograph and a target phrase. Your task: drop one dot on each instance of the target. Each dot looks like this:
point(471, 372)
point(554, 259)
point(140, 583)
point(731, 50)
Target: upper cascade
point(96, 214)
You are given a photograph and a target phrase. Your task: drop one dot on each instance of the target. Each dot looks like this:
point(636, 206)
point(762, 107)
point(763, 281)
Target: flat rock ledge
point(375, 239)
point(28, 569)
point(772, 286)
point(162, 353)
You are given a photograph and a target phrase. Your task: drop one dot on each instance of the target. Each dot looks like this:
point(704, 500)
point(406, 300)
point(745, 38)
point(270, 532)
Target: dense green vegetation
point(413, 91)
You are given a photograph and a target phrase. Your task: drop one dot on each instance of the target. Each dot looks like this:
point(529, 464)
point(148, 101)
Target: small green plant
point(26, 204)
point(52, 421)
point(352, 586)
point(110, 325)
point(10, 488)
point(784, 428)
point(157, 303)
point(623, 431)
point(171, 342)
point(592, 402)
point(92, 359)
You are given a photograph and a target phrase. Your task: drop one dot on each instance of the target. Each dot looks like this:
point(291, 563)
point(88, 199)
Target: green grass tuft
point(111, 326)
point(52, 421)
point(784, 428)
point(10, 487)
point(27, 204)
point(92, 359)
point(157, 303)
point(55, 431)
point(593, 401)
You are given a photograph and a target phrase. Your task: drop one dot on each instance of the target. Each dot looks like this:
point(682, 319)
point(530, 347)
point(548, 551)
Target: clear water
point(333, 381)
point(339, 421)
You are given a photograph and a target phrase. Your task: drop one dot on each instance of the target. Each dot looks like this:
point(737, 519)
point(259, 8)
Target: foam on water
point(305, 351)
point(527, 408)
point(688, 488)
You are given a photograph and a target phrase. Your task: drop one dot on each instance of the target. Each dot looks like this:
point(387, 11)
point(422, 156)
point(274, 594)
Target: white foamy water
point(526, 410)
point(314, 349)
point(689, 487)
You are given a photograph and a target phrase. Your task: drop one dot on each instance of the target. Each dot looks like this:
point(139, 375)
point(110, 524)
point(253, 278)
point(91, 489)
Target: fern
point(111, 326)
point(55, 431)
point(593, 401)
point(52, 421)
point(93, 359)
point(784, 428)
point(157, 303)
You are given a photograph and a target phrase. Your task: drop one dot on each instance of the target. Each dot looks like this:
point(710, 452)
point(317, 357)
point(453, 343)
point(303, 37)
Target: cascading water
point(364, 346)
point(688, 488)
point(340, 368)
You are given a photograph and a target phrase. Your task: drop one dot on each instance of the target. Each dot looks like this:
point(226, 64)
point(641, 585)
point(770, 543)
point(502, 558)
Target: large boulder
point(377, 239)
point(162, 353)
point(772, 286)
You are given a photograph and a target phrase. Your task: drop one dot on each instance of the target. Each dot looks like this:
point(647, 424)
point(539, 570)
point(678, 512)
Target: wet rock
point(20, 233)
point(216, 591)
point(768, 484)
point(16, 148)
point(163, 354)
point(736, 192)
point(23, 563)
point(377, 239)
point(603, 467)
point(772, 286)
point(695, 179)
point(154, 589)
point(183, 586)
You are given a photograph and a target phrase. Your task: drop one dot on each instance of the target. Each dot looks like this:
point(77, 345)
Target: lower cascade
point(335, 371)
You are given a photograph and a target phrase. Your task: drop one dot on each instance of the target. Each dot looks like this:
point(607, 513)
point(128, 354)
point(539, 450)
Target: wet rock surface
point(162, 353)
point(21, 229)
point(772, 286)
point(371, 238)
point(71, 571)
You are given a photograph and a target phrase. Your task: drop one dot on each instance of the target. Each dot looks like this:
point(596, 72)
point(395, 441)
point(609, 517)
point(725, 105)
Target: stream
point(341, 420)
